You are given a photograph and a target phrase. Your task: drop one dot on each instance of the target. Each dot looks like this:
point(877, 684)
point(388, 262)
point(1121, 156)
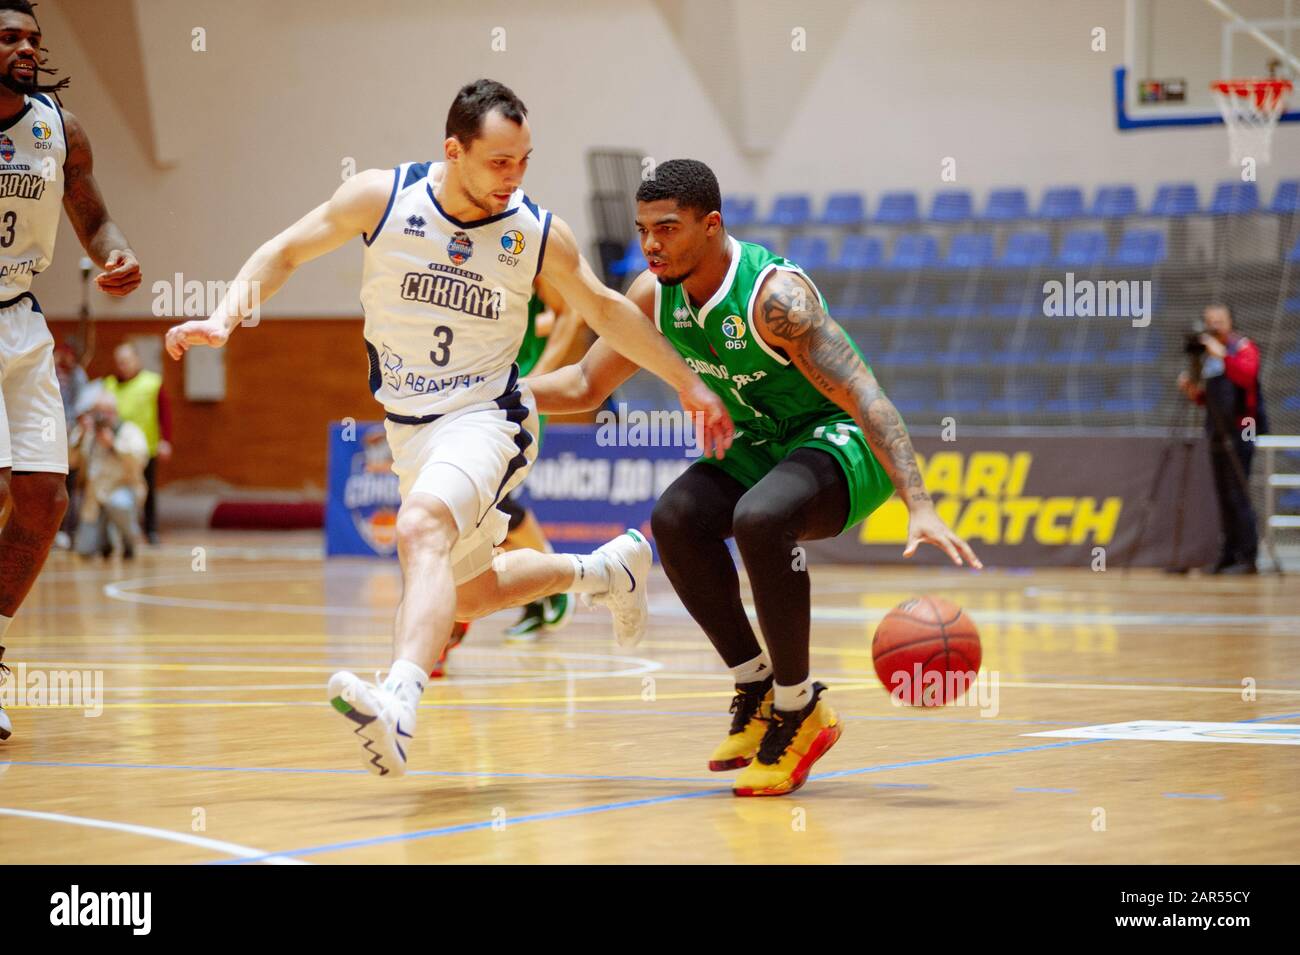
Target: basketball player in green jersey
point(818, 447)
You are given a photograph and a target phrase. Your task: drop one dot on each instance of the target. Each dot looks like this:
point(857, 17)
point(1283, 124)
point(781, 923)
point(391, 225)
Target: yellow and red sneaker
point(792, 743)
point(751, 709)
point(458, 631)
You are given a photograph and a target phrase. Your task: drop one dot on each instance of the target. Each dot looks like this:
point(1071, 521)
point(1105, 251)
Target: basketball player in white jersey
point(45, 164)
point(451, 253)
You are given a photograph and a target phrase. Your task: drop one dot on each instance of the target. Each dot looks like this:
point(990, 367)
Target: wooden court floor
point(213, 741)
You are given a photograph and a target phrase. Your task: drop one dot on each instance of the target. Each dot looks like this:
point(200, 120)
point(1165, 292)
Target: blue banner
point(361, 498)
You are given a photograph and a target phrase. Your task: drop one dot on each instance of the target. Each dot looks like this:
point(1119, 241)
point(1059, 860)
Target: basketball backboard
point(1174, 50)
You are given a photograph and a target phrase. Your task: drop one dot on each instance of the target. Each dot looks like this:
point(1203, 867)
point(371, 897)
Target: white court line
point(213, 845)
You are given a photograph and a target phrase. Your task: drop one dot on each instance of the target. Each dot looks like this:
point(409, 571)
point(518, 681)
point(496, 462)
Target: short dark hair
point(18, 6)
point(689, 181)
point(474, 101)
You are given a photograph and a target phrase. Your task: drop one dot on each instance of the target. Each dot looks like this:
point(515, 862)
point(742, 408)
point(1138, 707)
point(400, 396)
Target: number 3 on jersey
point(7, 227)
point(442, 355)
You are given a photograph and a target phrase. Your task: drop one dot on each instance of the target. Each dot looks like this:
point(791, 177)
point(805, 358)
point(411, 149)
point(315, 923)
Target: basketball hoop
point(1251, 110)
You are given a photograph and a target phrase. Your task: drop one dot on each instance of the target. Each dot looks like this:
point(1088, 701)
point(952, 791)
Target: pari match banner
point(1021, 502)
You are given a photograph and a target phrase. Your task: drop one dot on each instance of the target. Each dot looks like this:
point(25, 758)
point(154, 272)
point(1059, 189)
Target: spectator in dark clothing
point(1229, 390)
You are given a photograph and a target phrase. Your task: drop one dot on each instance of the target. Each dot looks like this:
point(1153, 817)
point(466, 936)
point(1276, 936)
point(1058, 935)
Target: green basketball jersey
point(765, 394)
point(533, 345)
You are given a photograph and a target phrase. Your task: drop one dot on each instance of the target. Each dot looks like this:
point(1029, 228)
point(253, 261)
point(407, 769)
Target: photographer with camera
point(114, 454)
point(1224, 378)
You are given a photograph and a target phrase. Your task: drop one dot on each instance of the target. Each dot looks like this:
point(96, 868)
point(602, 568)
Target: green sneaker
point(530, 625)
point(559, 611)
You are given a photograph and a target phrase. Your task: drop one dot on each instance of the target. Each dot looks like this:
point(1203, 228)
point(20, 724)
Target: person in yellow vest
point(142, 401)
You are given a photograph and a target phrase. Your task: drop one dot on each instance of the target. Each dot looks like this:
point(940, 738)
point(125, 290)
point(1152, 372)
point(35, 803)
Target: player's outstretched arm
point(789, 315)
point(619, 322)
point(584, 385)
point(84, 204)
point(355, 207)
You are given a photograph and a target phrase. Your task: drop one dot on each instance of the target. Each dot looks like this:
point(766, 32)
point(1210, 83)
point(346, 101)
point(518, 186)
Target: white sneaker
point(376, 718)
point(627, 557)
point(6, 728)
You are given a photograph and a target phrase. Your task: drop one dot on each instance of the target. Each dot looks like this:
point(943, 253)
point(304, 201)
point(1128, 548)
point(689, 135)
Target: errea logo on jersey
point(681, 317)
point(415, 226)
point(734, 328)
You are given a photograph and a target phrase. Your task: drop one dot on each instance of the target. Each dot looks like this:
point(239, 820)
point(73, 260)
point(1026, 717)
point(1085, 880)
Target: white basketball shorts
point(469, 459)
point(33, 432)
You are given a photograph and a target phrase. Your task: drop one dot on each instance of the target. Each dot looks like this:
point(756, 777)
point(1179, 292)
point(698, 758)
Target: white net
point(1250, 110)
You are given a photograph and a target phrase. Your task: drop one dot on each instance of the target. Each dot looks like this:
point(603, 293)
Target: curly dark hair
point(689, 181)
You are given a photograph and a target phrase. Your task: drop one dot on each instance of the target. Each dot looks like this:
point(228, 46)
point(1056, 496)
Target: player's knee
point(673, 516)
point(757, 523)
point(423, 529)
point(39, 500)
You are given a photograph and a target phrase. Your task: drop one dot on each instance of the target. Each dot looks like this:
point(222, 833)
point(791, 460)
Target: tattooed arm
point(99, 235)
point(789, 316)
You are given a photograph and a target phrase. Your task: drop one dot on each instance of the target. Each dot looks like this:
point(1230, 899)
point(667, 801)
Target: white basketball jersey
point(446, 301)
point(32, 150)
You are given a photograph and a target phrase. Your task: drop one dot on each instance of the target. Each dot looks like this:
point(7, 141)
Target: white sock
point(4, 625)
point(754, 671)
point(406, 681)
point(791, 698)
point(590, 574)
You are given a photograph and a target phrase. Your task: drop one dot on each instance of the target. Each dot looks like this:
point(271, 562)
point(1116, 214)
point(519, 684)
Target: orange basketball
point(926, 651)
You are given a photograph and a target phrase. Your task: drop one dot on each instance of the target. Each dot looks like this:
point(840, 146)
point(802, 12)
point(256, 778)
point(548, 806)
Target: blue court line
point(361, 772)
point(1041, 789)
point(1191, 795)
point(631, 804)
point(1270, 719)
point(902, 785)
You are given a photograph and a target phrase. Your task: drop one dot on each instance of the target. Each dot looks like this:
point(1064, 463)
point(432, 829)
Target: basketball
point(926, 651)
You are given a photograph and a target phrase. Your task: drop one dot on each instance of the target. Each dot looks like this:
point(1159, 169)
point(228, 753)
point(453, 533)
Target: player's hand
point(718, 430)
point(121, 275)
point(164, 451)
point(925, 526)
point(1213, 345)
point(204, 332)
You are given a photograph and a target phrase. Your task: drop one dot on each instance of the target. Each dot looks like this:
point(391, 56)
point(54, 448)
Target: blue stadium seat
point(1062, 202)
point(1026, 250)
point(1294, 254)
point(768, 241)
point(1082, 248)
point(810, 253)
point(739, 211)
point(1176, 199)
point(1113, 202)
point(1139, 248)
point(1021, 396)
point(911, 395)
point(790, 210)
point(897, 208)
point(1234, 199)
point(969, 250)
point(1006, 205)
point(952, 205)
point(1030, 351)
point(913, 252)
point(632, 260)
point(844, 209)
point(1291, 403)
point(909, 301)
point(1292, 358)
point(1147, 354)
point(1134, 395)
point(858, 252)
point(1287, 198)
point(971, 397)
